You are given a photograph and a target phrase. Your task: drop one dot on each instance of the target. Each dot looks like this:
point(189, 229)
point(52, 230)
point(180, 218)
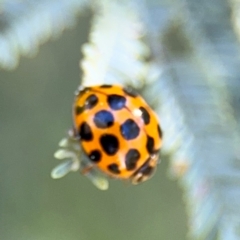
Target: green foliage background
point(35, 103)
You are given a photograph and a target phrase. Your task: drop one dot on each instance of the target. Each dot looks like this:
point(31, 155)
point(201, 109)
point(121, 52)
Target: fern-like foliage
point(25, 24)
point(192, 80)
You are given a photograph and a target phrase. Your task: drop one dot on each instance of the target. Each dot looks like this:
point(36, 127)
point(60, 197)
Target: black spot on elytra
point(106, 86)
point(159, 131)
point(91, 101)
point(109, 143)
point(113, 168)
point(145, 115)
point(103, 119)
point(79, 110)
point(85, 132)
point(95, 156)
point(130, 92)
point(131, 159)
point(116, 102)
point(150, 144)
point(129, 129)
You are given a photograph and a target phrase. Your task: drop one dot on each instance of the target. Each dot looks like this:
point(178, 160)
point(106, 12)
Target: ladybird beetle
point(118, 131)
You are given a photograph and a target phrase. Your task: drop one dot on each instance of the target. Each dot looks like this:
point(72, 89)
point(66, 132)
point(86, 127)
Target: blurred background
point(35, 102)
point(196, 190)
